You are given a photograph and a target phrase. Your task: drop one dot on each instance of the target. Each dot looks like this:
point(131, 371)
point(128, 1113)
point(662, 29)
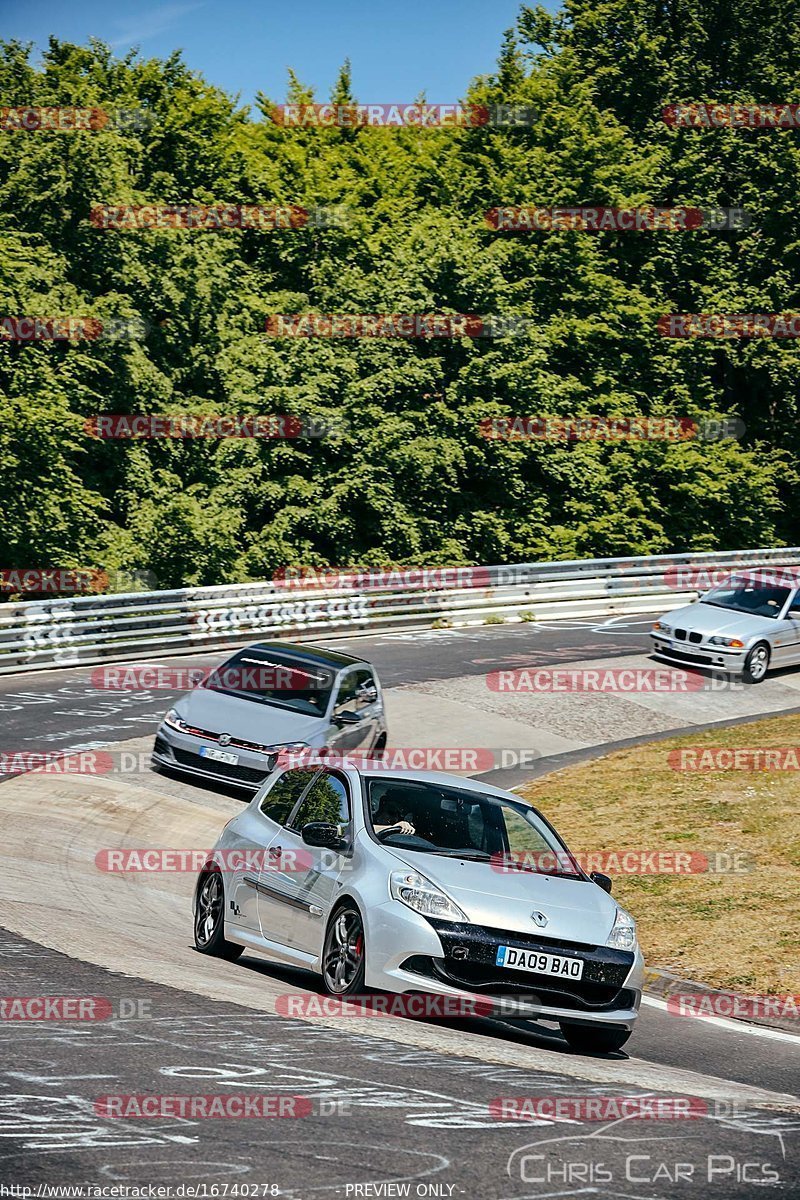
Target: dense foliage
point(412, 480)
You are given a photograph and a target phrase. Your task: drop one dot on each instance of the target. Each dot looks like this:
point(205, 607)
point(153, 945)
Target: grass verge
point(731, 930)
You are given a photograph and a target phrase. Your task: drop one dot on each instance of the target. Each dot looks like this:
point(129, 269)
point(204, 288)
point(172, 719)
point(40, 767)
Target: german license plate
point(539, 962)
point(219, 755)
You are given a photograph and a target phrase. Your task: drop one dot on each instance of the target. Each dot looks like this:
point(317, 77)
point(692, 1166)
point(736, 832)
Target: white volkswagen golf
point(422, 883)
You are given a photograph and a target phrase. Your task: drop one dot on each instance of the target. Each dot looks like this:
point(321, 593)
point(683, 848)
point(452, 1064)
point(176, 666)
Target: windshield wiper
point(469, 855)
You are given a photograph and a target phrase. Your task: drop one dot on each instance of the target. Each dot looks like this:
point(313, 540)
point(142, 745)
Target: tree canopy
point(409, 478)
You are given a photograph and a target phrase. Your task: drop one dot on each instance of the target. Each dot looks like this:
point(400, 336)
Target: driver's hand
point(404, 827)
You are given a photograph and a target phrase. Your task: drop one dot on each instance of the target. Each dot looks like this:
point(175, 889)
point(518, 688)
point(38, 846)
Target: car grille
point(682, 636)
point(224, 770)
point(469, 962)
point(579, 995)
point(686, 656)
point(240, 743)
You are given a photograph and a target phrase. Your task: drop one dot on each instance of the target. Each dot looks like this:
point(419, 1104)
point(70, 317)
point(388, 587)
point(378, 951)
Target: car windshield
point(275, 678)
point(458, 823)
point(748, 596)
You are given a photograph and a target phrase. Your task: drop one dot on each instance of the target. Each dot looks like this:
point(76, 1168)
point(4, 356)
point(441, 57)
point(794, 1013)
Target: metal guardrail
point(92, 629)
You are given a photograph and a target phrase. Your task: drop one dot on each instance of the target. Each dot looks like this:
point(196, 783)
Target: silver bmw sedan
point(745, 626)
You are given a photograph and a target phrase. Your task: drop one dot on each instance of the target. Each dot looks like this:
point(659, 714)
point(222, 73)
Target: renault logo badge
point(539, 919)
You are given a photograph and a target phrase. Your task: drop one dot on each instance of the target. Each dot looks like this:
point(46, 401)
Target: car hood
point(577, 910)
point(709, 620)
point(246, 719)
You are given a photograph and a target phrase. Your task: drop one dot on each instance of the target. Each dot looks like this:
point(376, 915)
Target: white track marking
point(759, 1031)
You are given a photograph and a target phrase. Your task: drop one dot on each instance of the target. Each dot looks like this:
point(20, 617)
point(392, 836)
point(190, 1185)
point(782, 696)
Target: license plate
point(539, 962)
point(219, 755)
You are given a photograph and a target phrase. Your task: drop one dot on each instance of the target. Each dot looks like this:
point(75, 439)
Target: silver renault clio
point(422, 883)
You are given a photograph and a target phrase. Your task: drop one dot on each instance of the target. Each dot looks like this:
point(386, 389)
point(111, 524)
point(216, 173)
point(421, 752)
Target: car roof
point(442, 777)
point(317, 655)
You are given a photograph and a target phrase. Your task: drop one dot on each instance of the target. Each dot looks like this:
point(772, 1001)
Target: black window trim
point(298, 802)
point(353, 669)
point(336, 775)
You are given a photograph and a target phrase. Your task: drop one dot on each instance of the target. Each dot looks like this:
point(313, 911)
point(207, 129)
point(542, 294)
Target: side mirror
point(322, 833)
point(602, 881)
point(367, 692)
point(346, 718)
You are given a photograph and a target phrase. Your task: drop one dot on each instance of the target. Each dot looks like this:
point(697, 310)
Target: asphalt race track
point(390, 1103)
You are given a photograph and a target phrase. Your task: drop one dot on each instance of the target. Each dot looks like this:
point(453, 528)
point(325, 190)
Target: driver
point(389, 814)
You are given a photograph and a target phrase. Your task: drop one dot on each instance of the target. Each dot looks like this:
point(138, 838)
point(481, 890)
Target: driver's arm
point(398, 827)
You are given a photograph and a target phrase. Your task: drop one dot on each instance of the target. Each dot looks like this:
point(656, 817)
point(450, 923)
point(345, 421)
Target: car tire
point(756, 664)
point(594, 1039)
point(209, 919)
point(344, 952)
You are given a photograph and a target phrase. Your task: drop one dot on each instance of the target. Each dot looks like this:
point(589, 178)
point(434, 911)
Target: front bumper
point(181, 752)
point(455, 959)
point(698, 654)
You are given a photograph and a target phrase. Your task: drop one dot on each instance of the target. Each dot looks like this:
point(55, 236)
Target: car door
point(315, 871)
point(785, 638)
point(257, 830)
point(356, 710)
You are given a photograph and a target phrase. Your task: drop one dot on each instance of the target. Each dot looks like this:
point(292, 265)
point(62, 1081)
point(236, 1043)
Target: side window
point(351, 690)
point(284, 794)
point(326, 801)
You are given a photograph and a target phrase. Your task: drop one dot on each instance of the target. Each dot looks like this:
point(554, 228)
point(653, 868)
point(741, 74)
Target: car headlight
point(660, 627)
point(174, 721)
point(623, 934)
point(722, 641)
point(417, 892)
